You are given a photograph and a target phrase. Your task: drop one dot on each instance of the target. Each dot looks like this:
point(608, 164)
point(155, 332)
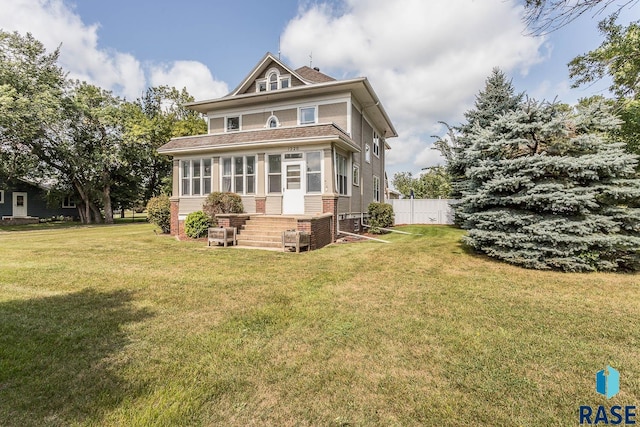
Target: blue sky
point(425, 59)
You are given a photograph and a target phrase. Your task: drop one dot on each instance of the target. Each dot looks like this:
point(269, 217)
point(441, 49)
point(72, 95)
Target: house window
point(376, 189)
point(273, 81)
point(314, 172)
point(1, 196)
point(307, 115)
point(272, 122)
point(195, 177)
point(68, 203)
point(232, 124)
point(341, 175)
point(356, 175)
point(367, 153)
point(239, 174)
point(186, 180)
point(376, 144)
point(275, 173)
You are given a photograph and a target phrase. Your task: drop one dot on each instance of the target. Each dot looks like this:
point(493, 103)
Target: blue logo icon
point(608, 382)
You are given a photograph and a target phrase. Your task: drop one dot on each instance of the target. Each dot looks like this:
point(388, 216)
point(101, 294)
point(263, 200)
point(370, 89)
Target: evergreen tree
point(498, 97)
point(549, 191)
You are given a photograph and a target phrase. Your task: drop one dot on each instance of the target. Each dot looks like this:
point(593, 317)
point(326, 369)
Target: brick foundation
point(175, 222)
point(320, 229)
point(330, 205)
point(232, 220)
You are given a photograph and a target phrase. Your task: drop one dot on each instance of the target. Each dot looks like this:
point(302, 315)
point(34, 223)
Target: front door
point(293, 192)
point(19, 204)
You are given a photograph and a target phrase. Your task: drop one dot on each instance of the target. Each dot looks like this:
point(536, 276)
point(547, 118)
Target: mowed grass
point(114, 325)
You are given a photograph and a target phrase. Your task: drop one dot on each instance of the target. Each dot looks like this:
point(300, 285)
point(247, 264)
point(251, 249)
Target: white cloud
point(56, 24)
point(426, 59)
point(193, 75)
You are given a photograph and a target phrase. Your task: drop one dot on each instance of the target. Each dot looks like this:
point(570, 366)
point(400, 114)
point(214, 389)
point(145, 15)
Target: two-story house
point(293, 143)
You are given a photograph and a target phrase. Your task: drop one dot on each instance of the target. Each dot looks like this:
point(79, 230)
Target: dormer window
point(273, 81)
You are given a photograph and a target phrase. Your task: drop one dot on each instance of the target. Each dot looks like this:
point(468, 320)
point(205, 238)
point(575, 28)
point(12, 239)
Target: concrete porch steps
point(265, 231)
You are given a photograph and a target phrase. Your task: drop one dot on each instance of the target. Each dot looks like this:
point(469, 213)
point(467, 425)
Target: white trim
point(190, 159)
point(272, 116)
point(376, 178)
point(232, 116)
point(244, 175)
point(315, 115)
point(67, 203)
point(376, 143)
point(276, 106)
point(355, 167)
point(367, 153)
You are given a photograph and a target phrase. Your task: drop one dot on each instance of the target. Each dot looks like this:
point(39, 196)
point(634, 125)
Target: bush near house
point(159, 212)
point(196, 224)
point(380, 216)
point(222, 203)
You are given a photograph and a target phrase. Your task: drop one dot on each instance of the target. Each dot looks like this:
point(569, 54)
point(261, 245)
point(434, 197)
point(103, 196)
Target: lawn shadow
point(58, 357)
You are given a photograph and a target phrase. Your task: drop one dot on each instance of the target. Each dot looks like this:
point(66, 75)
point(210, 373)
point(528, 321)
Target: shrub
point(222, 203)
point(159, 212)
point(196, 224)
point(380, 216)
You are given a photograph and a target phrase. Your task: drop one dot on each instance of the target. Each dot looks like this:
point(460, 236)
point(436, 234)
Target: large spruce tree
point(547, 190)
point(498, 97)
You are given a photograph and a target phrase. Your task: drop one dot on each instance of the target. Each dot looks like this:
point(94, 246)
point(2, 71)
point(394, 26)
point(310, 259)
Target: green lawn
point(114, 325)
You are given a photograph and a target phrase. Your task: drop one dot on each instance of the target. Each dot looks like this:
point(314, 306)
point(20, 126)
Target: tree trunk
point(86, 217)
point(97, 216)
point(106, 199)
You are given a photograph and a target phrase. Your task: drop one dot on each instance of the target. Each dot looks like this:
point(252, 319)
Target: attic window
point(273, 81)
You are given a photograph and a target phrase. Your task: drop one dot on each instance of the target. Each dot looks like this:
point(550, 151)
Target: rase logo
point(608, 385)
point(608, 382)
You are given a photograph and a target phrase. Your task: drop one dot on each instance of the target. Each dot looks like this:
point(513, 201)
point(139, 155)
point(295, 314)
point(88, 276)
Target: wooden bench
point(222, 235)
point(295, 239)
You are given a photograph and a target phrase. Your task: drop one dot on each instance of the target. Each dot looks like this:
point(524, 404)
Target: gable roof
point(265, 63)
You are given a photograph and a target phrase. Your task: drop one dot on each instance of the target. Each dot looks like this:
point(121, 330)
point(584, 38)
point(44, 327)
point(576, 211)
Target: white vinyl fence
point(423, 211)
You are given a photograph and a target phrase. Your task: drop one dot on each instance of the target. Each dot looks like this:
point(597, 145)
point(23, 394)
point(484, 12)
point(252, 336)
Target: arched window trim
point(272, 117)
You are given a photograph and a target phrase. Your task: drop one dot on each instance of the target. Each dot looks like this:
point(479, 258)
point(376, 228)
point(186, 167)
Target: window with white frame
point(356, 175)
point(195, 177)
point(376, 189)
point(376, 144)
point(272, 122)
point(232, 124)
point(367, 153)
point(307, 115)
point(341, 175)
point(1, 196)
point(314, 172)
point(273, 81)
point(274, 173)
point(68, 203)
point(239, 174)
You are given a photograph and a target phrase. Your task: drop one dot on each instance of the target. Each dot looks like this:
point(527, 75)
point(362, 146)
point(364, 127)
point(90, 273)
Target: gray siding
point(249, 204)
point(190, 204)
point(216, 125)
point(312, 204)
point(274, 205)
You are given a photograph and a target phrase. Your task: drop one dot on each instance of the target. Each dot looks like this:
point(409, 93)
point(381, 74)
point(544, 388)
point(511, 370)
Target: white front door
point(19, 204)
point(293, 191)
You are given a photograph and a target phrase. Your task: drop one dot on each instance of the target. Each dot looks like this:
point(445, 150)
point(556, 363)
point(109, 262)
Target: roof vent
point(317, 69)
